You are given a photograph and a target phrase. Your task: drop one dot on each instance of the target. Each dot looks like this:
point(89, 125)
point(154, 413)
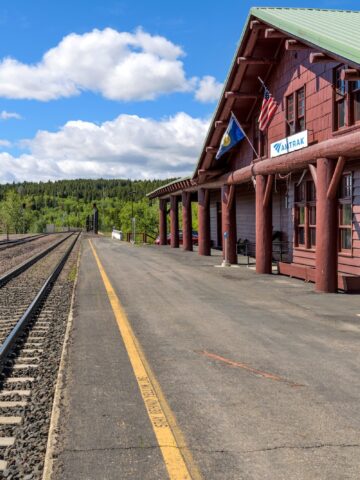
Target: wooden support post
point(163, 222)
point(228, 223)
point(268, 190)
point(312, 169)
point(326, 229)
point(204, 221)
point(174, 221)
point(263, 225)
point(187, 221)
point(334, 184)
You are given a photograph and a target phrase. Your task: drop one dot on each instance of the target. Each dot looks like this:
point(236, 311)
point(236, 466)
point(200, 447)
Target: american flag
point(268, 109)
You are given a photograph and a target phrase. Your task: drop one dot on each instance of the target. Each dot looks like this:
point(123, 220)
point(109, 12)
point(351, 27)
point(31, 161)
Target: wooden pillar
point(174, 221)
point(204, 221)
point(326, 229)
point(228, 223)
point(162, 222)
point(187, 221)
point(264, 223)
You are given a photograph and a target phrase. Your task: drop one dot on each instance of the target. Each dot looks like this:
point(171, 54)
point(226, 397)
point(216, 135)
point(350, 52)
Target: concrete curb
point(60, 382)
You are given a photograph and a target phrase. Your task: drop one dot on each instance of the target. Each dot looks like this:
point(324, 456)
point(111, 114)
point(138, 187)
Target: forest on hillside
point(30, 206)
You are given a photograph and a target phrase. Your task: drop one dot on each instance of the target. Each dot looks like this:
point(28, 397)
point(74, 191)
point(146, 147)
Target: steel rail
point(26, 318)
point(4, 244)
point(14, 272)
point(15, 240)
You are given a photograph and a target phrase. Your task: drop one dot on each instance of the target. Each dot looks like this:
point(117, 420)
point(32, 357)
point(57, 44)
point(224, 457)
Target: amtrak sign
point(289, 144)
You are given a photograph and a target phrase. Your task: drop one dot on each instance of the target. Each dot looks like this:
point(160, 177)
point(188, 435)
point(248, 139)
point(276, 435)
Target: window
point(346, 100)
point(345, 214)
point(355, 101)
point(290, 115)
point(305, 215)
point(295, 112)
point(340, 95)
point(311, 199)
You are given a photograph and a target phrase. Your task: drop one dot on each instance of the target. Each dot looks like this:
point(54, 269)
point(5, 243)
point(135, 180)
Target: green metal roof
point(177, 180)
point(336, 31)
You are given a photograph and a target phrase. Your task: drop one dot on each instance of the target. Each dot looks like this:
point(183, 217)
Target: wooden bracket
point(203, 197)
point(211, 149)
point(224, 124)
point(205, 175)
point(317, 57)
point(272, 33)
point(163, 204)
point(268, 190)
point(207, 197)
point(332, 190)
point(350, 74)
point(256, 25)
point(227, 195)
point(250, 96)
point(313, 172)
point(231, 196)
point(256, 61)
point(292, 44)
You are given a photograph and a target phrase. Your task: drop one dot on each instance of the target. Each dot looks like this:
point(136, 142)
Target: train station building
point(298, 189)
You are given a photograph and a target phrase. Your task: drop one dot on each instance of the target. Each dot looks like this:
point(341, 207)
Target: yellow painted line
point(177, 457)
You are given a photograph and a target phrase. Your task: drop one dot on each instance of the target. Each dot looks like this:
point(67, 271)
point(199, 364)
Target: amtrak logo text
point(289, 144)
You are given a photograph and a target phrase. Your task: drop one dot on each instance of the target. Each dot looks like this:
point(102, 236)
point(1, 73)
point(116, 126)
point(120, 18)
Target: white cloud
point(127, 147)
point(209, 89)
point(5, 143)
point(118, 65)
point(4, 115)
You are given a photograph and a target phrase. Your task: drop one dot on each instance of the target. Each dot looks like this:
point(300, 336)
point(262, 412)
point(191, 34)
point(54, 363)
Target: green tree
point(12, 216)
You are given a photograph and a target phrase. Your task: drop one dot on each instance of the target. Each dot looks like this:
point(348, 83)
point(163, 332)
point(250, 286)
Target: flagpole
point(262, 82)
point(247, 138)
point(264, 86)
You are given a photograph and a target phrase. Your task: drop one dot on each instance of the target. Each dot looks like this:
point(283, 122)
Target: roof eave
point(222, 99)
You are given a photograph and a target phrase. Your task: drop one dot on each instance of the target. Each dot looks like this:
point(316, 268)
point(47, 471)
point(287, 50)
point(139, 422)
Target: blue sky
point(112, 100)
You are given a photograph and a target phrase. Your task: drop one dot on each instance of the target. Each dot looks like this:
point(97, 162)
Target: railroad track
point(33, 313)
point(5, 244)
point(18, 269)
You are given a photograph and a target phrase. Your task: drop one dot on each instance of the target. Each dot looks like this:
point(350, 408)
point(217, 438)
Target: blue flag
point(233, 135)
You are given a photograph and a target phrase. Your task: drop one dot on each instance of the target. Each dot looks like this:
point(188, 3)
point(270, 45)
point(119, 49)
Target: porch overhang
point(177, 186)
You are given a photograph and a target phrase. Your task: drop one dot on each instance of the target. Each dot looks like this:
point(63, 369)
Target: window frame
point(296, 117)
point(346, 96)
point(339, 98)
point(308, 202)
point(353, 92)
point(345, 200)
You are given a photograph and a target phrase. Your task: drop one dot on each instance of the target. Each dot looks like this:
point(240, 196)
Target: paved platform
point(261, 373)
